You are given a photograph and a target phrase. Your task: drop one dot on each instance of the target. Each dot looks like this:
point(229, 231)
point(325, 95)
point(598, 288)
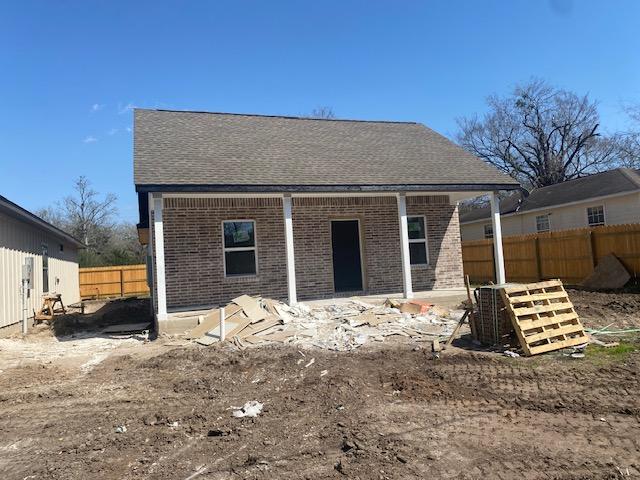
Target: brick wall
point(443, 242)
point(194, 256)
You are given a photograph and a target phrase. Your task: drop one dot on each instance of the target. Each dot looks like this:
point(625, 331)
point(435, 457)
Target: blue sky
point(71, 70)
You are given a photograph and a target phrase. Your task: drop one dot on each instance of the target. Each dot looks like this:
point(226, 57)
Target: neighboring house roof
point(201, 151)
point(16, 211)
point(612, 182)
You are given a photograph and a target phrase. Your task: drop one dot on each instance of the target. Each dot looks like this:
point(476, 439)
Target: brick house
point(297, 208)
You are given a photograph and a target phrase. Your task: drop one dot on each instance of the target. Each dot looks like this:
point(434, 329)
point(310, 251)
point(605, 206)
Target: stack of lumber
point(543, 317)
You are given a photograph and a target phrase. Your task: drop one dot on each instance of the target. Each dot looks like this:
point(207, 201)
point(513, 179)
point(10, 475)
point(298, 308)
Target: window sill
point(241, 278)
point(420, 266)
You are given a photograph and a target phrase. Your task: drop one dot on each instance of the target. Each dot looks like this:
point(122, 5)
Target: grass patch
point(617, 353)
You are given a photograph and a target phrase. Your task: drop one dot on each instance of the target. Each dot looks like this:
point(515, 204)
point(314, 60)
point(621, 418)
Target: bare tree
point(88, 216)
point(322, 112)
point(540, 135)
point(628, 142)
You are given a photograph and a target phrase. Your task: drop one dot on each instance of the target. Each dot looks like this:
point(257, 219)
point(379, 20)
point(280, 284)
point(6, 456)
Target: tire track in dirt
point(379, 413)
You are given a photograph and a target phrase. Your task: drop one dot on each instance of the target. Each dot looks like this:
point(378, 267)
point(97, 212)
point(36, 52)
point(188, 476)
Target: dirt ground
point(382, 411)
point(598, 309)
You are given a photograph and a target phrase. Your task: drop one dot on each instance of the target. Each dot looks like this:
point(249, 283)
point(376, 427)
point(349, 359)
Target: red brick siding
point(194, 256)
point(380, 239)
point(194, 253)
point(443, 241)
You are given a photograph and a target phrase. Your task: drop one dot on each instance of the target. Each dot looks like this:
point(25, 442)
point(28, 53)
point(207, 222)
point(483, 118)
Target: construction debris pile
point(339, 326)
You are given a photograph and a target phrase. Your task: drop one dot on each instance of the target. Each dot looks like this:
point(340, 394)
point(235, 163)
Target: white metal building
point(55, 263)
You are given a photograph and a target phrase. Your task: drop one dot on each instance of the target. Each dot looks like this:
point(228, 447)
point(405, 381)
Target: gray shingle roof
point(216, 149)
point(602, 184)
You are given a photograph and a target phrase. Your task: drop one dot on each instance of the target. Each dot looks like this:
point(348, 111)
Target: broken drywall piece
point(249, 409)
point(251, 307)
point(209, 322)
point(208, 339)
point(609, 274)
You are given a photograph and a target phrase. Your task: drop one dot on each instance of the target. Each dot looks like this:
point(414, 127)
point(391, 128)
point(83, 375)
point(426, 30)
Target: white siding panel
point(618, 210)
point(19, 240)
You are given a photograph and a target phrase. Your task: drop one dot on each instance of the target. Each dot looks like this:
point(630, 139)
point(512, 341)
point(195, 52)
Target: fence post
point(536, 249)
point(121, 282)
point(591, 250)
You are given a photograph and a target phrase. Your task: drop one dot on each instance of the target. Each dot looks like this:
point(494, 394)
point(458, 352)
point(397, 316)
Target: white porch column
point(288, 236)
point(158, 241)
point(404, 246)
point(497, 238)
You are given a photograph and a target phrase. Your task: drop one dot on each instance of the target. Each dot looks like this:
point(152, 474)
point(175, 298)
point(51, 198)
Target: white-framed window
point(239, 246)
point(488, 230)
point(595, 215)
point(418, 251)
point(542, 223)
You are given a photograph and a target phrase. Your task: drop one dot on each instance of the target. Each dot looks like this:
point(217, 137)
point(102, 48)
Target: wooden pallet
point(543, 316)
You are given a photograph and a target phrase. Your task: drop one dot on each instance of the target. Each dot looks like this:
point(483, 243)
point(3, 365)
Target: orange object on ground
point(415, 307)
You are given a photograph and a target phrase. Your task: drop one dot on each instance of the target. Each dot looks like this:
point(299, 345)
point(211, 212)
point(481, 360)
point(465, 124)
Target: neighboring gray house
point(55, 259)
point(607, 198)
point(297, 208)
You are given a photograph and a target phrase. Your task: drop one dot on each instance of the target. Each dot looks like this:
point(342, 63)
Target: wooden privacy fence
point(570, 255)
point(116, 281)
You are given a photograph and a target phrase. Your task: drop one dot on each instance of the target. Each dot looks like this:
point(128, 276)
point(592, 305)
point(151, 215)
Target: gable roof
point(603, 184)
point(16, 211)
point(177, 150)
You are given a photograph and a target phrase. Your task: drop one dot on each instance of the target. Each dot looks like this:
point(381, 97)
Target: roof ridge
point(288, 117)
point(594, 174)
point(632, 174)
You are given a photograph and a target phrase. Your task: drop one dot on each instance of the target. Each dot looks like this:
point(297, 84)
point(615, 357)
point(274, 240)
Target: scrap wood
point(457, 329)
point(472, 315)
point(609, 274)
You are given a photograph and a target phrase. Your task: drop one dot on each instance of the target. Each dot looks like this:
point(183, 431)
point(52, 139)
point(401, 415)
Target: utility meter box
point(27, 272)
